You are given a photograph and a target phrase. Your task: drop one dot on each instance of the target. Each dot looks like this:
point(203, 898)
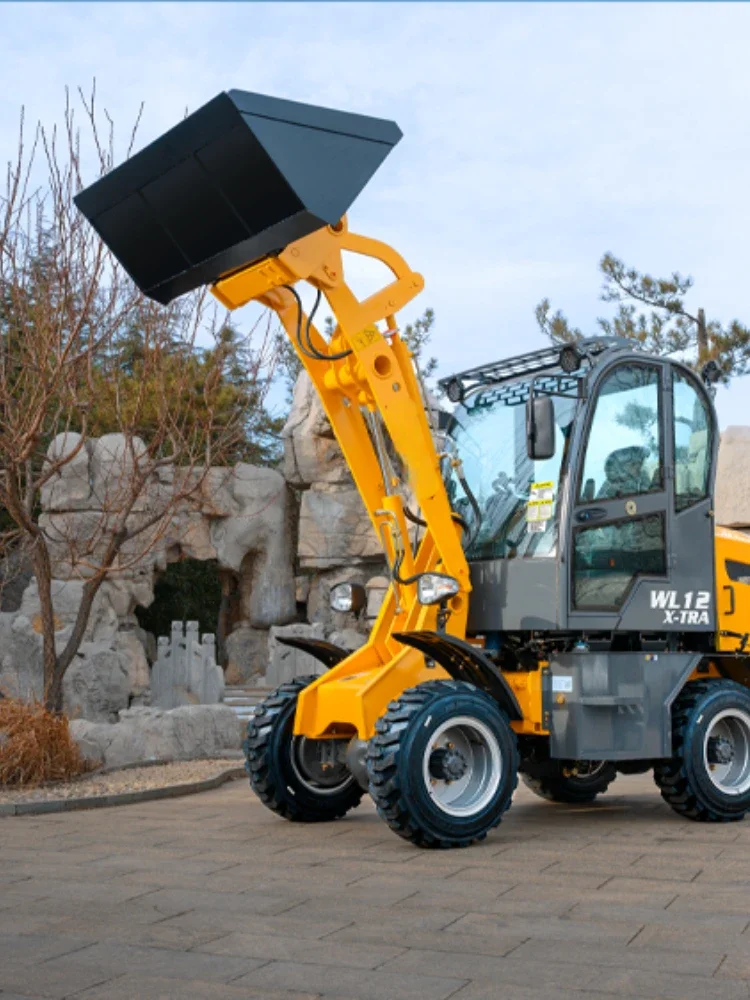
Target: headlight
point(432, 588)
point(348, 597)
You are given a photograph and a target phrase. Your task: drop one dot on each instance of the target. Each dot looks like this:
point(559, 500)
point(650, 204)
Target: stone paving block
point(333, 951)
point(489, 991)
point(55, 979)
point(414, 918)
point(254, 905)
point(447, 940)
point(155, 988)
point(18, 996)
point(354, 984)
point(550, 928)
point(669, 986)
point(609, 892)
point(198, 921)
point(725, 923)
point(619, 956)
point(736, 965)
point(119, 959)
point(696, 938)
point(442, 889)
point(537, 973)
point(36, 947)
point(711, 902)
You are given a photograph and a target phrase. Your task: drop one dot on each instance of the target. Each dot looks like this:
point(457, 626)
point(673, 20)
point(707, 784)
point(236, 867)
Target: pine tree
point(653, 312)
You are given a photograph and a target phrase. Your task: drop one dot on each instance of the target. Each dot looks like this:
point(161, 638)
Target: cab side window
point(692, 443)
point(624, 449)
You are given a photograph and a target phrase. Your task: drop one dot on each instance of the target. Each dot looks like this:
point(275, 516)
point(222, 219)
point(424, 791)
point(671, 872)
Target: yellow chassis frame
point(378, 376)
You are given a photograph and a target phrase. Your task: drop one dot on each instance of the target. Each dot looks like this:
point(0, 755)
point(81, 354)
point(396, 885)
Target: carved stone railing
point(185, 671)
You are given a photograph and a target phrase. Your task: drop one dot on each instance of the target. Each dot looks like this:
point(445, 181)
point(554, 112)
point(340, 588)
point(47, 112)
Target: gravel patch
point(131, 779)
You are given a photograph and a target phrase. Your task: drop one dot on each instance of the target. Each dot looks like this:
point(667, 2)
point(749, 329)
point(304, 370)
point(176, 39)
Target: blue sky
point(537, 136)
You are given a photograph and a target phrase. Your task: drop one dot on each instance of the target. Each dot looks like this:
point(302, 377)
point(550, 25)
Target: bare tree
point(66, 308)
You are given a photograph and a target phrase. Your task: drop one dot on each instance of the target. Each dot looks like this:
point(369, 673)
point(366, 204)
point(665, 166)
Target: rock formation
point(281, 542)
point(152, 734)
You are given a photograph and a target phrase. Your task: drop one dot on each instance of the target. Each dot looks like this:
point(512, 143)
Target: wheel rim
point(728, 736)
point(316, 768)
point(586, 770)
point(467, 745)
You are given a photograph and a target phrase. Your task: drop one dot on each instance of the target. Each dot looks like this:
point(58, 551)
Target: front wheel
point(443, 764)
point(708, 778)
point(302, 780)
point(575, 781)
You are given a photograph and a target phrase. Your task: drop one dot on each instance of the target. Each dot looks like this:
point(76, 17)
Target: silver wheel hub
point(462, 766)
point(319, 766)
point(726, 751)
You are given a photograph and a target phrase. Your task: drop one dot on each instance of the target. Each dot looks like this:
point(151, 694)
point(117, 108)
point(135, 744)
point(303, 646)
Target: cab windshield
point(517, 497)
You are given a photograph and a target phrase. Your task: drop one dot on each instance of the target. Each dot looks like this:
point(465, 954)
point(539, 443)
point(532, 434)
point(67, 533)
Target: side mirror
point(540, 427)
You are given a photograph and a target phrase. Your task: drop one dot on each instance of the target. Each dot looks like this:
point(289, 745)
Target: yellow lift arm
point(376, 379)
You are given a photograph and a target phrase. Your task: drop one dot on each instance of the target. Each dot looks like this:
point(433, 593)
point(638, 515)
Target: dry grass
point(35, 746)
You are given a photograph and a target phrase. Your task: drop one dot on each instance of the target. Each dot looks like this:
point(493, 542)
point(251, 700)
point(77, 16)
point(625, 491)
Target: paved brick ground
point(213, 897)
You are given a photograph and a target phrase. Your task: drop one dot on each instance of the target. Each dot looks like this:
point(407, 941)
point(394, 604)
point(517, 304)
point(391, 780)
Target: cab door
point(641, 532)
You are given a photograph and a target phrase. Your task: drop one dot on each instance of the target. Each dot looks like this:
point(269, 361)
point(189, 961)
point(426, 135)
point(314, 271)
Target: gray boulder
point(21, 672)
point(152, 734)
point(66, 600)
point(733, 478)
point(257, 544)
point(247, 654)
point(348, 638)
point(377, 588)
point(97, 684)
point(70, 487)
point(334, 528)
point(311, 452)
point(113, 459)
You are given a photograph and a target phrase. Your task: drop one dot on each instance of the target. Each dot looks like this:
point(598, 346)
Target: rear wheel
point(300, 779)
point(572, 781)
point(443, 764)
point(708, 778)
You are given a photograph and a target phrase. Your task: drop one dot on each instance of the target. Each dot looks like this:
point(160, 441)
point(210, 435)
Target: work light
point(433, 588)
point(348, 597)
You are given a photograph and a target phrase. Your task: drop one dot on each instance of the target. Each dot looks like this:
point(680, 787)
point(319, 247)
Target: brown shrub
point(36, 746)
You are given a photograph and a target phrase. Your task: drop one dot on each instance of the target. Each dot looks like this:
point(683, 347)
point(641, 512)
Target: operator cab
point(590, 472)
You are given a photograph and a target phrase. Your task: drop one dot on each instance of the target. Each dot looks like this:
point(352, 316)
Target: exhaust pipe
point(236, 181)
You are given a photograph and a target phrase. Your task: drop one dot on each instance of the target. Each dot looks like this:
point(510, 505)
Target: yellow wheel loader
point(561, 603)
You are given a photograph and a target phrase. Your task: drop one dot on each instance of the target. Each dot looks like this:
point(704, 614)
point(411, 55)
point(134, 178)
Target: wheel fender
point(327, 653)
point(465, 662)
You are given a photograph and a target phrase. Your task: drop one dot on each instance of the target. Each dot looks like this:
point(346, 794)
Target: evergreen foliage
point(653, 312)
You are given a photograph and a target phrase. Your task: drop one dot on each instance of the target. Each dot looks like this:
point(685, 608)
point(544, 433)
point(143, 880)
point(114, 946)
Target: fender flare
point(327, 653)
point(467, 663)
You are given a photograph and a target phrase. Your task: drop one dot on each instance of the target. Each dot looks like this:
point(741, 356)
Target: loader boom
point(366, 377)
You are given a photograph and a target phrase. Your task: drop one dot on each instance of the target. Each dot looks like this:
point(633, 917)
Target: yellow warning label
point(365, 337)
point(539, 510)
point(542, 491)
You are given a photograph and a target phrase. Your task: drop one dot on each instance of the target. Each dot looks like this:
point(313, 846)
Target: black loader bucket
point(236, 181)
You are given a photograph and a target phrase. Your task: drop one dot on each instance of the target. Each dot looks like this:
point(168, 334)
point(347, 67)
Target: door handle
point(591, 514)
point(730, 588)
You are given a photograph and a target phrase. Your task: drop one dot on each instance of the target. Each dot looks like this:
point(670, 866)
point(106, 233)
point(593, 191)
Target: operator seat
point(625, 473)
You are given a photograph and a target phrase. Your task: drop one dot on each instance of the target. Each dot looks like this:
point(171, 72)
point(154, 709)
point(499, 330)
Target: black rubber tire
point(684, 781)
point(549, 782)
point(396, 752)
point(268, 748)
